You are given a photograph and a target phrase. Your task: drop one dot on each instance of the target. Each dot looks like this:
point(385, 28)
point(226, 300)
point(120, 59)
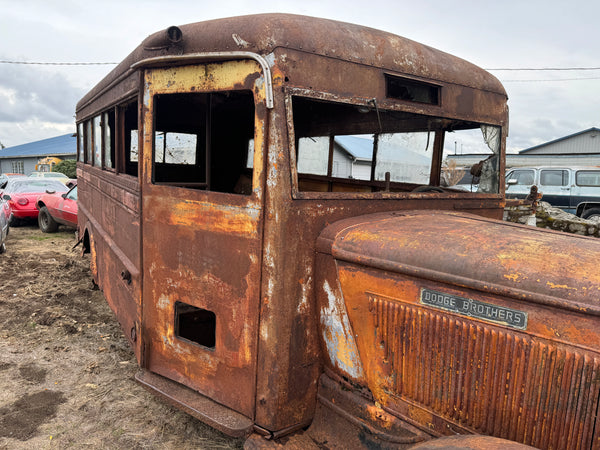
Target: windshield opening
point(361, 148)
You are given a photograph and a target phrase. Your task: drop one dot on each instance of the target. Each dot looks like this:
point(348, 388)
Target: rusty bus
point(268, 213)
point(47, 164)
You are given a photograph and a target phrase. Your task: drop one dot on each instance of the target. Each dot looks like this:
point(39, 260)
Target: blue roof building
point(23, 158)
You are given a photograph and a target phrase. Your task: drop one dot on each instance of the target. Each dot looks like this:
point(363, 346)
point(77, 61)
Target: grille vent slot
point(493, 381)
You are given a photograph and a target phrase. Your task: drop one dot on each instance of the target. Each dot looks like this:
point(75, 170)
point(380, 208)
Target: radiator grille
point(493, 381)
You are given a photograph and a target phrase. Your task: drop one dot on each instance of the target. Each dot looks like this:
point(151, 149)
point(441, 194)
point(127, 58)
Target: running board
point(197, 405)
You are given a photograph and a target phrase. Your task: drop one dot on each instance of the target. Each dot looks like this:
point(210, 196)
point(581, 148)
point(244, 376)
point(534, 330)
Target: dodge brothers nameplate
point(475, 308)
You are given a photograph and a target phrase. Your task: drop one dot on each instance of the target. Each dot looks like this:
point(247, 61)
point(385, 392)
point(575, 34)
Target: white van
point(576, 190)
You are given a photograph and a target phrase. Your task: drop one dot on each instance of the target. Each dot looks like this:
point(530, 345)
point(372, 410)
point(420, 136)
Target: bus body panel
point(201, 253)
point(110, 220)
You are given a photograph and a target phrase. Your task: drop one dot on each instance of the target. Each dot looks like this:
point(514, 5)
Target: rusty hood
point(465, 250)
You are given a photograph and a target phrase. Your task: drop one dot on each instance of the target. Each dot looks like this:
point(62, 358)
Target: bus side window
point(130, 119)
point(108, 140)
point(203, 140)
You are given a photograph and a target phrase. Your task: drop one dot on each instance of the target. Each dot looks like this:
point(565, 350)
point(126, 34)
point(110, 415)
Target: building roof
point(564, 138)
point(358, 148)
point(361, 149)
point(64, 145)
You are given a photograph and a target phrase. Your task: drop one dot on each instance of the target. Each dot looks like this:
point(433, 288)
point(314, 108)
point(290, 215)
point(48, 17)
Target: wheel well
point(582, 207)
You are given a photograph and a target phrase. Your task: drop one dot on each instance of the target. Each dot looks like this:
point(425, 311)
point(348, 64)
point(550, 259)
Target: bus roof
point(264, 33)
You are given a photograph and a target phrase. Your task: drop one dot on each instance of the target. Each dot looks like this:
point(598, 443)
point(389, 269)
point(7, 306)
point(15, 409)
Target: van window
point(554, 177)
point(523, 177)
point(588, 178)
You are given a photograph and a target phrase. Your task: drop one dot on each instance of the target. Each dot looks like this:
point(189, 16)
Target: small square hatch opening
point(195, 325)
point(411, 90)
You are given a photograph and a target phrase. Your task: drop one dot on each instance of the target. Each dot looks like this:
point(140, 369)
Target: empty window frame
point(88, 142)
point(356, 148)
point(129, 124)
point(97, 140)
point(411, 90)
point(108, 139)
point(80, 143)
point(203, 140)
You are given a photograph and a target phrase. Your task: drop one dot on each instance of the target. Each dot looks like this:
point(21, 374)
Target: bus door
point(202, 218)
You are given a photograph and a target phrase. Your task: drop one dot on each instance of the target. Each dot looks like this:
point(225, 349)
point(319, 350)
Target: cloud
point(31, 130)
point(32, 93)
point(513, 33)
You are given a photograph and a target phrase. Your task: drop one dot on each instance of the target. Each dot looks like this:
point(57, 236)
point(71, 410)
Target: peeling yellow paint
point(559, 286)
point(513, 276)
point(211, 77)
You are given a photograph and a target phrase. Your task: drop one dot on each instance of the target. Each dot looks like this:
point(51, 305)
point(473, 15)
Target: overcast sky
point(38, 101)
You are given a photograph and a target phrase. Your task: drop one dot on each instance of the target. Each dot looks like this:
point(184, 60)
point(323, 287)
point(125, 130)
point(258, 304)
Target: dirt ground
point(66, 371)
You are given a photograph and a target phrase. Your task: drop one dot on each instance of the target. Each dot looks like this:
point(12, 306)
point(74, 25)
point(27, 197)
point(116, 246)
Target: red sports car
point(22, 195)
point(57, 209)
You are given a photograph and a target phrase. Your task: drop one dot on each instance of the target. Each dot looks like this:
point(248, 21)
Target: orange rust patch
point(205, 216)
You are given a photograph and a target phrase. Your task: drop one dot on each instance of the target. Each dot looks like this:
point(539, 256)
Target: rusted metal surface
point(471, 443)
point(291, 301)
point(504, 344)
point(325, 47)
point(496, 257)
point(203, 408)
point(109, 220)
point(211, 259)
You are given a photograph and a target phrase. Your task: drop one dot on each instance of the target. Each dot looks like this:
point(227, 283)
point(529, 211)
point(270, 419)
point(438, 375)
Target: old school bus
point(269, 214)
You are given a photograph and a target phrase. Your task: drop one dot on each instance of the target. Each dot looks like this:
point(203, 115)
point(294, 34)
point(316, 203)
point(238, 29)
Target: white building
point(578, 149)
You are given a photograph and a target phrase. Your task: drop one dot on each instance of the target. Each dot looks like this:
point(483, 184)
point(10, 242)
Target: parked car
point(22, 194)
point(576, 190)
point(468, 182)
point(57, 209)
point(3, 224)
point(54, 175)
point(6, 176)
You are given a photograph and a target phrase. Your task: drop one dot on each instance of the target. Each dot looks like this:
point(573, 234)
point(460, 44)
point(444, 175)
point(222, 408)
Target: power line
point(59, 63)
point(546, 68)
point(531, 69)
point(513, 69)
point(556, 79)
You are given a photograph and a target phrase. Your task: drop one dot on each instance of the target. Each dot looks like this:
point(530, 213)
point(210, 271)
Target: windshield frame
point(437, 157)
